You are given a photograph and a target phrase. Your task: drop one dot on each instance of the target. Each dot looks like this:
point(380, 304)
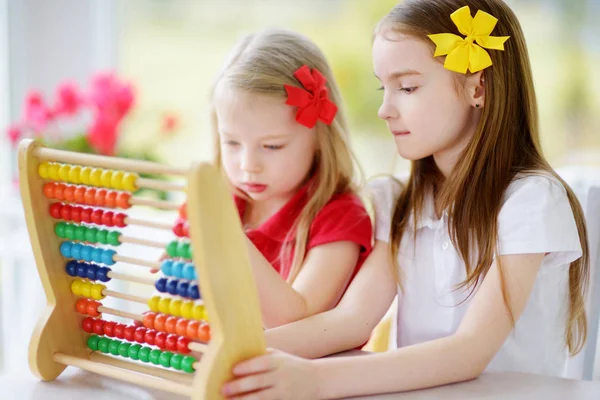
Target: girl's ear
point(475, 86)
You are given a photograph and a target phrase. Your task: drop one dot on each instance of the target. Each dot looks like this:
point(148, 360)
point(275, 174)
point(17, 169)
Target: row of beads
point(181, 228)
point(83, 252)
point(178, 287)
point(195, 330)
point(78, 214)
point(138, 334)
point(87, 195)
point(142, 353)
point(84, 233)
point(177, 249)
point(177, 308)
point(87, 270)
point(178, 269)
point(79, 287)
point(89, 176)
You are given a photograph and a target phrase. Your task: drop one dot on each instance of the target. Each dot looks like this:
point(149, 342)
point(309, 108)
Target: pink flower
point(170, 124)
point(103, 134)
point(124, 99)
point(68, 99)
point(36, 113)
point(14, 134)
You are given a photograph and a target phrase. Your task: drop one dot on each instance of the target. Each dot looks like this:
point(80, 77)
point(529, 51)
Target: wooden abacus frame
point(222, 267)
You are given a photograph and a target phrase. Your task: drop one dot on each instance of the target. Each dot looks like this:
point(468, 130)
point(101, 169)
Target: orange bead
point(192, 329)
point(110, 199)
point(69, 193)
point(170, 324)
point(204, 332)
point(123, 200)
point(59, 191)
point(181, 327)
point(183, 210)
point(92, 308)
point(100, 197)
point(49, 190)
point(79, 194)
point(89, 196)
point(149, 320)
point(81, 306)
point(159, 322)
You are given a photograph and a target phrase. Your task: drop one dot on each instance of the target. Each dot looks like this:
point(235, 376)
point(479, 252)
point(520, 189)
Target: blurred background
point(155, 60)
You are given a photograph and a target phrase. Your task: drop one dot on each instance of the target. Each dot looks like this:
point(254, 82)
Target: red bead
point(49, 190)
point(109, 328)
point(92, 308)
point(129, 331)
point(183, 344)
point(80, 194)
point(150, 336)
point(119, 331)
point(90, 196)
point(86, 215)
point(69, 193)
point(107, 218)
point(171, 342)
point(97, 217)
point(137, 323)
point(149, 320)
point(139, 334)
point(65, 212)
point(81, 306)
point(186, 229)
point(119, 220)
point(98, 327)
point(55, 210)
point(161, 338)
point(88, 324)
point(170, 324)
point(178, 228)
point(76, 214)
point(110, 201)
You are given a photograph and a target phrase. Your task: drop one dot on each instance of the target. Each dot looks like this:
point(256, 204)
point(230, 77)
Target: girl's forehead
point(394, 53)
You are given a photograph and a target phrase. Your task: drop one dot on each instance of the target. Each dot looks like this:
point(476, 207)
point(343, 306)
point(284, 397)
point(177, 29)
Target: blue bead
point(189, 272)
point(102, 274)
point(161, 284)
point(193, 291)
point(91, 272)
point(107, 257)
point(182, 288)
point(172, 286)
point(86, 253)
point(71, 268)
point(65, 249)
point(81, 270)
point(177, 269)
point(76, 250)
point(167, 267)
point(97, 254)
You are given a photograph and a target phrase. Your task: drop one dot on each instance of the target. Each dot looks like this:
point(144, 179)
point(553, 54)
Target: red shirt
point(343, 218)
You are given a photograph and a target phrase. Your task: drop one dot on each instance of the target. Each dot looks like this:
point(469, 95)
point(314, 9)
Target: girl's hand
point(275, 375)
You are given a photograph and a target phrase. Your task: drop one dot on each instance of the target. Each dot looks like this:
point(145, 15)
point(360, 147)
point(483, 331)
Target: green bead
point(188, 252)
point(59, 229)
point(172, 249)
point(113, 238)
point(113, 347)
point(154, 356)
point(101, 236)
point(176, 361)
point(124, 349)
point(70, 231)
point(103, 344)
point(92, 342)
point(188, 364)
point(90, 235)
point(133, 351)
point(80, 233)
point(144, 354)
point(183, 250)
point(165, 359)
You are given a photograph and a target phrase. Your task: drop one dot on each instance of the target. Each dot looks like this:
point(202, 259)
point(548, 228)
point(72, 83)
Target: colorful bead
point(113, 347)
point(203, 333)
point(119, 331)
point(103, 344)
point(119, 220)
point(59, 192)
point(116, 180)
point(166, 267)
point(48, 190)
point(107, 218)
point(175, 307)
point(172, 249)
point(92, 342)
point(183, 345)
point(81, 270)
point(198, 312)
point(177, 269)
point(183, 211)
point(150, 337)
point(43, 170)
point(96, 291)
point(165, 359)
point(170, 325)
point(128, 182)
point(84, 175)
point(108, 328)
point(86, 215)
point(98, 326)
point(110, 201)
point(80, 232)
point(107, 257)
point(187, 309)
point(69, 231)
point(102, 274)
point(76, 287)
point(87, 324)
point(172, 285)
point(122, 200)
point(59, 229)
point(101, 236)
point(86, 289)
point(81, 306)
point(106, 177)
point(159, 322)
point(160, 284)
point(181, 327)
point(153, 303)
point(63, 172)
point(155, 356)
point(89, 197)
point(144, 354)
point(187, 364)
point(92, 308)
point(192, 329)
point(96, 254)
point(149, 320)
point(189, 272)
point(55, 209)
point(193, 291)
point(74, 174)
point(71, 268)
point(53, 171)
point(171, 342)
point(85, 252)
point(160, 340)
point(163, 305)
point(124, 349)
point(139, 334)
point(176, 360)
point(129, 333)
point(133, 351)
point(69, 194)
point(95, 177)
point(91, 271)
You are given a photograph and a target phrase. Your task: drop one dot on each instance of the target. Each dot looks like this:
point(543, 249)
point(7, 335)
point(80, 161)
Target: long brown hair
point(504, 147)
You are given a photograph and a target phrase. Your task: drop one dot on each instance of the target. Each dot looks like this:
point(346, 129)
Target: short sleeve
point(344, 218)
point(383, 193)
point(536, 217)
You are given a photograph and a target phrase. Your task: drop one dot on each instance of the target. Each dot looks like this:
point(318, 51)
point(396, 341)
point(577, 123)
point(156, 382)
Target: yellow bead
point(153, 303)
point(53, 171)
point(186, 309)
point(63, 172)
point(163, 305)
point(198, 312)
point(86, 289)
point(84, 175)
point(97, 289)
point(43, 170)
point(106, 178)
point(128, 182)
point(76, 287)
point(95, 175)
point(116, 180)
point(205, 316)
point(175, 308)
point(74, 174)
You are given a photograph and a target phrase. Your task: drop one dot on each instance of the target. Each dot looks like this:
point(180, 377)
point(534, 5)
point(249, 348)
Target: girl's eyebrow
point(400, 74)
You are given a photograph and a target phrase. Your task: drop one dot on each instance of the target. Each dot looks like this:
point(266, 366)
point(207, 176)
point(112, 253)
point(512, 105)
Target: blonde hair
point(506, 144)
point(262, 63)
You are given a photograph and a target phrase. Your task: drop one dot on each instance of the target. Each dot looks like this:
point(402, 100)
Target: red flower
point(103, 134)
point(68, 99)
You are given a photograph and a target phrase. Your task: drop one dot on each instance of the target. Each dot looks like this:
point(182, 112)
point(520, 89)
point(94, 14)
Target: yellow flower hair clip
point(463, 53)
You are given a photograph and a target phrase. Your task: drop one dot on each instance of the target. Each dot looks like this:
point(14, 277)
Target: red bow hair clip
point(313, 101)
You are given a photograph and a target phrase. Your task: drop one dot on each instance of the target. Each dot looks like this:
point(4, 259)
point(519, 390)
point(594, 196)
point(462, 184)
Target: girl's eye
point(231, 143)
point(408, 90)
point(273, 147)
point(380, 88)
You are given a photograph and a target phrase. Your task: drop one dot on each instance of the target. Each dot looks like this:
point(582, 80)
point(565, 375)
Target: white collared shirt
point(536, 217)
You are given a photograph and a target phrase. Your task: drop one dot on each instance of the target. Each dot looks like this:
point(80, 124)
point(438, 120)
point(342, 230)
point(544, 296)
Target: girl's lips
point(254, 187)
point(400, 133)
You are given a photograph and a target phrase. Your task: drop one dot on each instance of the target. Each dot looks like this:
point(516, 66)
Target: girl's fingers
point(265, 363)
point(249, 384)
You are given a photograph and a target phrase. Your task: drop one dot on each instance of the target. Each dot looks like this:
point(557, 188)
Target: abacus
point(69, 200)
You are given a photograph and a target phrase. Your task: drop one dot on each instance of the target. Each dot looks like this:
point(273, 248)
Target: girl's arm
point(351, 322)
point(456, 358)
point(325, 273)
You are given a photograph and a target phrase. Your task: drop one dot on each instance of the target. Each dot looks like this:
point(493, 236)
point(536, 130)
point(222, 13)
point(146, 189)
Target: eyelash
point(407, 90)
point(273, 147)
